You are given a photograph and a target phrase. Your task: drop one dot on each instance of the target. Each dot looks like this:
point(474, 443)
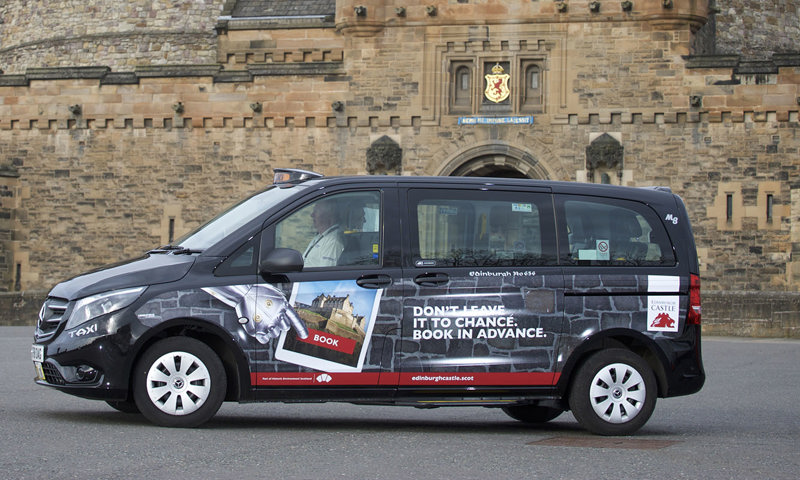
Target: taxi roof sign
point(292, 175)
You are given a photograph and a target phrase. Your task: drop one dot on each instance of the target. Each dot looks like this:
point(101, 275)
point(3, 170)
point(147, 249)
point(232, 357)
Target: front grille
point(52, 375)
point(50, 317)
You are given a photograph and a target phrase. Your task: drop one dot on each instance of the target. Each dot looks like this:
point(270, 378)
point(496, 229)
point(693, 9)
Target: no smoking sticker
point(602, 250)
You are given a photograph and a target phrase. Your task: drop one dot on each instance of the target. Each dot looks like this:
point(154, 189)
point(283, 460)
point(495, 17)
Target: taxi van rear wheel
point(532, 413)
point(179, 382)
point(613, 393)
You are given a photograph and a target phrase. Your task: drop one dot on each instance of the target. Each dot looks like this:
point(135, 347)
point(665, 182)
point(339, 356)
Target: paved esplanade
point(745, 423)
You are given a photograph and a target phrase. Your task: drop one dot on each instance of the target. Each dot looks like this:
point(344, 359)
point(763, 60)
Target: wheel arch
point(631, 340)
point(234, 360)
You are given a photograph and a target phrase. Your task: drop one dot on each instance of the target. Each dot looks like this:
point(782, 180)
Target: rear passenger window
point(480, 228)
point(614, 232)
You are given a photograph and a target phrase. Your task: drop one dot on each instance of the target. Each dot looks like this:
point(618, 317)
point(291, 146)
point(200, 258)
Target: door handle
point(374, 281)
point(432, 279)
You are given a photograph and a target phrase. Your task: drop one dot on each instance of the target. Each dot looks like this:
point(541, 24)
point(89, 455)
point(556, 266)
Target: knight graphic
point(262, 309)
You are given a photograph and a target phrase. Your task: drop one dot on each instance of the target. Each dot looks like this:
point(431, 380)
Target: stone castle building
point(338, 310)
point(124, 124)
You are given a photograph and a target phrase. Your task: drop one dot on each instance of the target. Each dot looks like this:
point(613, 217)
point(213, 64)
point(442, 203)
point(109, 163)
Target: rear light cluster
point(694, 300)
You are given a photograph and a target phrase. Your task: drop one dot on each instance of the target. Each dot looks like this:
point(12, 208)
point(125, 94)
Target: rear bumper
point(686, 375)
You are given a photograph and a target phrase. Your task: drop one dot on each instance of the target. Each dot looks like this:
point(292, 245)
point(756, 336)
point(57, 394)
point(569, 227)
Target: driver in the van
point(325, 248)
point(263, 310)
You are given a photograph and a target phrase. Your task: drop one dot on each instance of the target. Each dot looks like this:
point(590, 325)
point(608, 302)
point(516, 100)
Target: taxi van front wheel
point(179, 382)
point(613, 392)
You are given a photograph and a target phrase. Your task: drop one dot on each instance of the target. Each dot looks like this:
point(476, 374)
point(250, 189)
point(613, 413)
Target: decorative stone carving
point(604, 154)
point(384, 157)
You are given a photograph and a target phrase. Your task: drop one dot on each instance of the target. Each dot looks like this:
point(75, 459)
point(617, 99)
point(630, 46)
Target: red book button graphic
point(330, 341)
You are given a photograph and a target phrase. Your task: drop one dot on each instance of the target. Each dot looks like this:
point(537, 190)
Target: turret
point(360, 18)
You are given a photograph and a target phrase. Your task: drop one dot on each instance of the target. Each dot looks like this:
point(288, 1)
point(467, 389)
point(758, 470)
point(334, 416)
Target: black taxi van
point(531, 296)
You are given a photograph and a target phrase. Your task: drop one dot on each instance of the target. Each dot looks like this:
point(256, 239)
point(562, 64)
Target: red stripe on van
point(405, 379)
point(316, 379)
point(473, 378)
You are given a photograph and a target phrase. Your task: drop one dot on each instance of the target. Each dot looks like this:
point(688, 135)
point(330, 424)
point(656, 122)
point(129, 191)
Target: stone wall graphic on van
point(340, 317)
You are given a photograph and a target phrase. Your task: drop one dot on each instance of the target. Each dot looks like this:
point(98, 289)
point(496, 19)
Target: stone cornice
point(740, 65)
point(253, 119)
point(107, 77)
point(225, 25)
point(63, 73)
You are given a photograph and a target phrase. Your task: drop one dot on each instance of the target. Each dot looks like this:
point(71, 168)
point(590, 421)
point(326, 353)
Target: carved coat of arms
point(497, 88)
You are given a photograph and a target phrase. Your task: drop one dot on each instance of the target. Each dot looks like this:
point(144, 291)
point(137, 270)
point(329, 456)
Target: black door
point(483, 293)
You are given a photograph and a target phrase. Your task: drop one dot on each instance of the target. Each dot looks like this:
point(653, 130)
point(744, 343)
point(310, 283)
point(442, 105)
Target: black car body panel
point(467, 291)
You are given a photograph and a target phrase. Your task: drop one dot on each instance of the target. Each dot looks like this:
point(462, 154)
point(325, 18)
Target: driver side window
point(337, 230)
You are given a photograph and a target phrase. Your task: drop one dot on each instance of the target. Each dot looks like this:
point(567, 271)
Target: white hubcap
point(617, 393)
point(178, 383)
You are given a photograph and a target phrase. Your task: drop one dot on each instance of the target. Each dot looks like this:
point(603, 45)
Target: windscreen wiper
point(175, 250)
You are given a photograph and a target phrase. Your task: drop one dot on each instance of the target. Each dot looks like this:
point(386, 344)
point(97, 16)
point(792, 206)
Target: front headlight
point(101, 304)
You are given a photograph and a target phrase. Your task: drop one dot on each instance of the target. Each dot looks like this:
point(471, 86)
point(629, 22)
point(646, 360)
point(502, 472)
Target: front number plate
point(39, 371)
point(37, 353)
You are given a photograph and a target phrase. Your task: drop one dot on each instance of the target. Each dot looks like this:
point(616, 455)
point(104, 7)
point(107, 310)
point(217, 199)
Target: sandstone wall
point(757, 28)
point(53, 33)
point(101, 160)
point(104, 184)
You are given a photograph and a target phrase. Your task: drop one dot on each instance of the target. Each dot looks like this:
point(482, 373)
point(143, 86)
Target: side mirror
point(281, 260)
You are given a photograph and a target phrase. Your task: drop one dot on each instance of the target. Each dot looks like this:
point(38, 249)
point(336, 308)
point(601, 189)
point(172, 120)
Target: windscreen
point(234, 218)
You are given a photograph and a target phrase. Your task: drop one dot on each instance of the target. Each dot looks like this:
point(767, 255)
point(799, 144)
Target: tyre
point(613, 393)
point(179, 382)
point(532, 413)
point(124, 406)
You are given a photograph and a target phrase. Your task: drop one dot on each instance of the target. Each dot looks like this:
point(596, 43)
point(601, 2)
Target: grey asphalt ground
point(745, 423)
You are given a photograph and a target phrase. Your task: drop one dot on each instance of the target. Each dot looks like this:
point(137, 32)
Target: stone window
point(732, 205)
point(461, 91)
point(770, 207)
point(531, 90)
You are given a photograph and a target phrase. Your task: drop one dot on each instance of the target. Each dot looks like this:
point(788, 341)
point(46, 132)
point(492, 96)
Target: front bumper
point(91, 365)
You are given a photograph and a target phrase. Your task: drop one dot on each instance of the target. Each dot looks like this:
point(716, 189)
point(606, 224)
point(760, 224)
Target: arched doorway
point(494, 167)
point(495, 160)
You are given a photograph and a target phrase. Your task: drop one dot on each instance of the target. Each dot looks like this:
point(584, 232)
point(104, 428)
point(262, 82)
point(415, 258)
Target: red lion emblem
point(663, 320)
point(498, 87)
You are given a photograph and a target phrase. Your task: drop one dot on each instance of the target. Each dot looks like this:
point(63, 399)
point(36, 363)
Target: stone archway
point(495, 160)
